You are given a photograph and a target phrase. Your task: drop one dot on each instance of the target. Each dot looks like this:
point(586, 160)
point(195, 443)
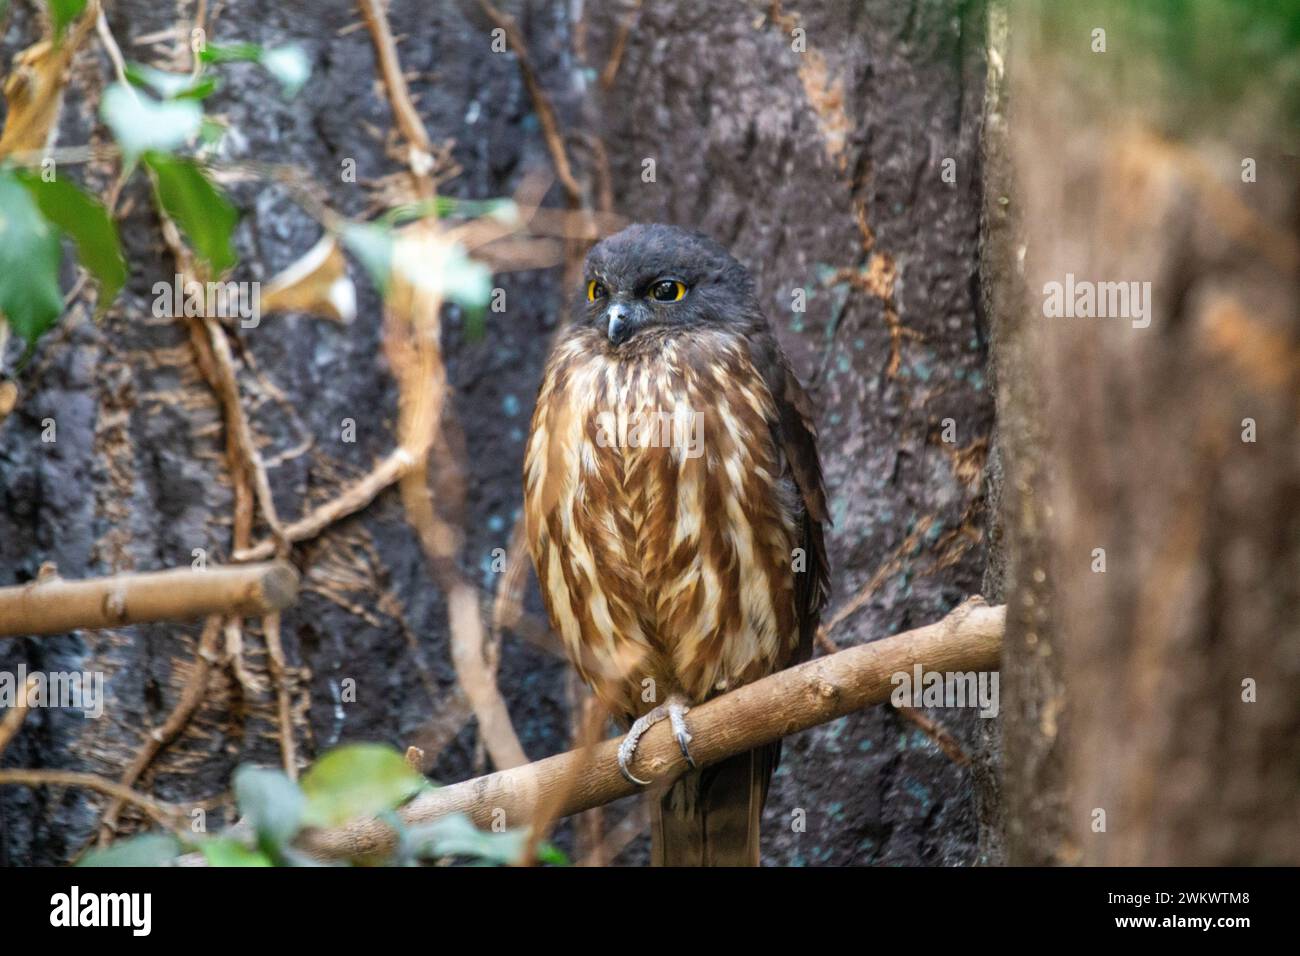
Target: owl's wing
point(795, 433)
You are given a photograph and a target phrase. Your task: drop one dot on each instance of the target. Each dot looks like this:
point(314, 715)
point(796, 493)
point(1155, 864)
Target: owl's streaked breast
point(661, 518)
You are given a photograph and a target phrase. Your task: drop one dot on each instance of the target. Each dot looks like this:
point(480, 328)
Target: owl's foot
point(675, 709)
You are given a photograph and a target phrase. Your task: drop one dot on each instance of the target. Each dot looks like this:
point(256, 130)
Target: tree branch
point(968, 639)
point(55, 606)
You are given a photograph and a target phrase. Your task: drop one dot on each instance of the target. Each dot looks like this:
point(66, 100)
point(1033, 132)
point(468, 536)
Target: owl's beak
point(620, 323)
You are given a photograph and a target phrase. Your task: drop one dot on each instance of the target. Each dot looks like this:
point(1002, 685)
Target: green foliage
point(62, 13)
point(357, 780)
point(141, 123)
point(372, 244)
point(201, 210)
point(148, 849)
point(352, 781)
point(172, 85)
point(288, 64)
point(227, 851)
point(86, 221)
point(272, 803)
point(30, 254)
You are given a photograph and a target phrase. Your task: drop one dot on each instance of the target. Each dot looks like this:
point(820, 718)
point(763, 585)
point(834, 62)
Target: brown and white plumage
point(667, 559)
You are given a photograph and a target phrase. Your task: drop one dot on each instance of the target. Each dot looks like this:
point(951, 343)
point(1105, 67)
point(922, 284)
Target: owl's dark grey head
point(655, 277)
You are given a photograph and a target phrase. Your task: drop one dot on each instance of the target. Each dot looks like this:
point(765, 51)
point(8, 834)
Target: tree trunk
point(1151, 518)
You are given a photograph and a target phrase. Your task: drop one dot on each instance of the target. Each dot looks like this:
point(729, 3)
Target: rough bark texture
point(804, 163)
point(1153, 716)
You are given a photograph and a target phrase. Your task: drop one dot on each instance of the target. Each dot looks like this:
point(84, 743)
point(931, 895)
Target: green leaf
point(30, 254)
point(373, 246)
point(271, 802)
point(171, 85)
point(552, 854)
point(211, 131)
point(141, 123)
point(87, 222)
point(148, 849)
point(225, 851)
point(288, 64)
point(466, 281)
point(456, 835)
point(445, 270)
point(357, 780)
point(62, 13)
point(201, 210)
point(230, 53)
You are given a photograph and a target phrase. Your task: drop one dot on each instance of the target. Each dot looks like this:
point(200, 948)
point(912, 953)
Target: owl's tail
point(710, 817)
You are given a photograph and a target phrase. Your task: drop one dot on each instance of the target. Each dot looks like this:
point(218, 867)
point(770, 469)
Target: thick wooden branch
point(968, 639)
point(55, 606)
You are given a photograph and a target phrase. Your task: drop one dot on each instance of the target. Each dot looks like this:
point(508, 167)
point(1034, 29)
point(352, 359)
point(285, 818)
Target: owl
point(674, 508)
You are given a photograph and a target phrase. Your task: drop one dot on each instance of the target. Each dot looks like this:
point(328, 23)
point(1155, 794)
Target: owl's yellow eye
point(596, 290)
point(667, 290)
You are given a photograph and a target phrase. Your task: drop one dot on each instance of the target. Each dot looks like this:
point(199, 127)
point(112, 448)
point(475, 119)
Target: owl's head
point(658, 277)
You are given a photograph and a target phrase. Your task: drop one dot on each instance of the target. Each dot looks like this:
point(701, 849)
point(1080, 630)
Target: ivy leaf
point(456, 835)
point(272, 802)
point(230, 53)
point(148, 849)
point(373, 247)
point(171, 85)
point(357, 780)
point(86, 221)
point(225, 851)
point(63, 12)
point(141, 123)
point(30, 254)
point(288, 64)
point(201, 210)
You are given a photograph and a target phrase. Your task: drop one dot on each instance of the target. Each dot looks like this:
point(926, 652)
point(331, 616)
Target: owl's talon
point(677, 717)
point(627, 749)
point(675, 710)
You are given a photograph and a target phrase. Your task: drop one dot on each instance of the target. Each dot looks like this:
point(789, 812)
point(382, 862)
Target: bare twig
point(411, 341)
point(177, 720)
point(936, 732)
point(353, 499)
point(55, 606)
point(13, 720)
point(165, 814)
point(541, 102)
point(280, 675)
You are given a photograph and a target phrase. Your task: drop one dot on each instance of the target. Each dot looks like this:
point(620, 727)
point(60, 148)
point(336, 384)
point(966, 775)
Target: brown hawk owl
point(674, 506)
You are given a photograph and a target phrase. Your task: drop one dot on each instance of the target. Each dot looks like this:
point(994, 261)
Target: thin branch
point(939, 734)
point(353, 499)
point(411, 342)
point(158, 738)
point(541, 102)
point(280, 676)
point(610, 73)
point(420, 155)
point(166, 814)
point(56, 606)
point(969, 638)
point(17, 714)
